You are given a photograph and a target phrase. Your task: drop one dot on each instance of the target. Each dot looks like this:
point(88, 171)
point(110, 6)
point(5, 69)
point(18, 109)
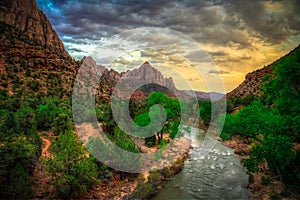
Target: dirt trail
point(46, 145)
point(41, 179)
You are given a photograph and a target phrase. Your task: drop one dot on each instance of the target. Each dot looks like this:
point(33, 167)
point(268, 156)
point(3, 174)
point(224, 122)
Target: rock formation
point(149, 74)
point(25, 16)
point(253, 80)
point(32, 57)
point(145, 73)
point(251, 84)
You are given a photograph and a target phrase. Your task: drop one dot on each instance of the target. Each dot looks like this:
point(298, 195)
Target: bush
point(62, 123)
point(150, 141)
point(265, 180)
point(105, 174)
point(72, 171)
point(20, 185)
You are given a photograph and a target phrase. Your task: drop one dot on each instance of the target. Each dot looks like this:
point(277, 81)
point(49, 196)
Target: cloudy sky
point(240, 36)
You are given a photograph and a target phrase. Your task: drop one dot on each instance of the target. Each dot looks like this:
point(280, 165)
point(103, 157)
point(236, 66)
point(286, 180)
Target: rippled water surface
point(216, 175)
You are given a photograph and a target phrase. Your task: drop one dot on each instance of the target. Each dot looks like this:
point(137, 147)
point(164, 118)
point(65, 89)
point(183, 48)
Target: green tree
point(46, 115)
point(144, 120)
point(254, 121)
point(71, 169)
point(124, 141)
point(105, 116)
point(174, 130)
point(282, 90)
point(205, 111)
point(62, 123)
point(8, 123)
point(173, 110)
point(20, 185)
point(18, 155)
point(26, 119)
point(277, 151)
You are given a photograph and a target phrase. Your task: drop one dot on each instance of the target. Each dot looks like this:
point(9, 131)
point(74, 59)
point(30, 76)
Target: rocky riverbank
point(263, 185)
point(153, 181)
point(163, 162)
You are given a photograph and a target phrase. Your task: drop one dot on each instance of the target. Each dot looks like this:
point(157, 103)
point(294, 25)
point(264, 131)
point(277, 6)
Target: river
point(214, 175)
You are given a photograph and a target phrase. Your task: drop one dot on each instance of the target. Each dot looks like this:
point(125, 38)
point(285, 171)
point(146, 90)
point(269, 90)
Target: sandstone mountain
point(251, 84)
point(109, 78)
point(145, 79)
point(33, 59)
point(163, 84)
point(149, 74)
point(25, 16)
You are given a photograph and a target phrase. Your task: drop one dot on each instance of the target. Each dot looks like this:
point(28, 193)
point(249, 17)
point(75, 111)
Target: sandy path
point(46, 145)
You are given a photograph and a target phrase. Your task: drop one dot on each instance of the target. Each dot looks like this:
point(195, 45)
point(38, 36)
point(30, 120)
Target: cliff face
point(133, 78)
point(251, 84)
point(253, 80)
point(149, 74)
point(32, 57)
point(26, 67)
point(25, 16)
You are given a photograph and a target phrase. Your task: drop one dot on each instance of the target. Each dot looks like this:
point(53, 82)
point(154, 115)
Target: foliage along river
point(218, 175)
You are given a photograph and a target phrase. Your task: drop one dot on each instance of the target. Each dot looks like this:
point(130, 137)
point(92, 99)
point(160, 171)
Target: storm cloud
point(237, 34)
point(215, 22)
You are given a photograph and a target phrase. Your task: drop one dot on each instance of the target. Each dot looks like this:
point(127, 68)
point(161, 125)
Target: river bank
point(212, 171)
point(145, 185)
point(154, 180)
point(164, 163)
point(263, 185)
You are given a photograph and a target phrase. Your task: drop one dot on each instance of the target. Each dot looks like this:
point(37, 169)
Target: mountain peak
point(146, 65)
point(25, 16)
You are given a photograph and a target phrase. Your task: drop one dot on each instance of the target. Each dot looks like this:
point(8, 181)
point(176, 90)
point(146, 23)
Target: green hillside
point(272, 123)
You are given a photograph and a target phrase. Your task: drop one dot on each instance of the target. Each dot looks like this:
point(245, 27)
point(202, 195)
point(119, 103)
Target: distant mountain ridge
point(145, 73)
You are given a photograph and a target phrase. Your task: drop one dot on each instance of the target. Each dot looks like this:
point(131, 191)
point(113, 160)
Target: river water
point(217, 174)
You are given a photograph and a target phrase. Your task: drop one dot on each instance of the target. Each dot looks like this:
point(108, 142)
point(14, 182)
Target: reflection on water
point(217, 175)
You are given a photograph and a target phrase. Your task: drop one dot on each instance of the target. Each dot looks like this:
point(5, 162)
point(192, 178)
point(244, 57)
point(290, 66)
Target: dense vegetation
point(272, 122)
point(20, 120)
point(72, 169)
point(25, 119)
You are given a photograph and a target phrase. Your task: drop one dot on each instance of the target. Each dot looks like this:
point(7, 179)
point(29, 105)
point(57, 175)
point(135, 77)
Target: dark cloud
point(72, 49)
point(198, 56)
point(233, 60)
point(218, 53)
point(246, 57)
point(272, 26)
point(217, 22)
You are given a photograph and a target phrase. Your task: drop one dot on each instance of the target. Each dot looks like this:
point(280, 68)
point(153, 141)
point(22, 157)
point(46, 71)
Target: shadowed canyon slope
point(253, 80)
